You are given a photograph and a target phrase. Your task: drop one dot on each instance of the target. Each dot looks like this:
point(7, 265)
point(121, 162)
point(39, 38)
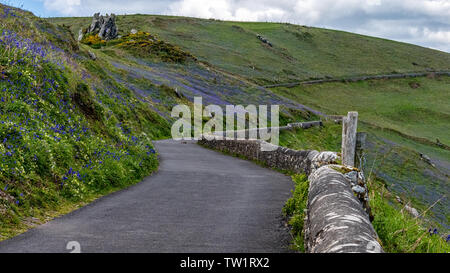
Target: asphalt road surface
point(199, 201)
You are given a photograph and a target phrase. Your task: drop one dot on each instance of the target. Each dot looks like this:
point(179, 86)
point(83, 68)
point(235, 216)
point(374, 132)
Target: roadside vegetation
point(294, 210)
point(68, 135)
point(408, 133)
point(398, 230)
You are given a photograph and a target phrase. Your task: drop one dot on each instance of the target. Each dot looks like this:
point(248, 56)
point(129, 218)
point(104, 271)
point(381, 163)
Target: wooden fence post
point(349, 126)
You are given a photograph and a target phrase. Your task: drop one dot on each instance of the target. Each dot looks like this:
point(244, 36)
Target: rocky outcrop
point(97, 21)
point(264, 40)
point(104, 26)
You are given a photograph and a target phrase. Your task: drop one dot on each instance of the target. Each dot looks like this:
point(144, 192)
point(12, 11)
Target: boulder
point(427, 159)
point(264, 40)
point(92, 56)
point(133, 31)
point(412, 211)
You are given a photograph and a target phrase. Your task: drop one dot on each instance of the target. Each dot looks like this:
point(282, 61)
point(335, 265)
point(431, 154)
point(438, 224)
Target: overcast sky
point(422, 22)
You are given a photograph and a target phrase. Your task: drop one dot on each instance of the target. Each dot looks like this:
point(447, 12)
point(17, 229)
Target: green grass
point(69, 132)
point(324, 138)
point(398, 231)
point(423, 112)
point(299, 52)
point(295, 208)
point(402, 122)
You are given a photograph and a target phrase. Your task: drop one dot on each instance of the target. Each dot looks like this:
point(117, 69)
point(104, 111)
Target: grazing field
point(416, 107)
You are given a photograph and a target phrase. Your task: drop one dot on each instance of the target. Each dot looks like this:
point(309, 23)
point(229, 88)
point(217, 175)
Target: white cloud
point(89, 7)
point(66, 7)
point(423, 22)
point(225, 10)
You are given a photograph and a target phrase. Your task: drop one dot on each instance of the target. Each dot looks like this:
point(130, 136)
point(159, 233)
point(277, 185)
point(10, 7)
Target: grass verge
point(398, 231)
point(295, 209)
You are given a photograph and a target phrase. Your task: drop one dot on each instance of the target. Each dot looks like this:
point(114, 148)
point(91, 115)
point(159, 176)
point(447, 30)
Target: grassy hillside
point(415, 107)
point(298, 52)
point(69, 133)
point(85, 127)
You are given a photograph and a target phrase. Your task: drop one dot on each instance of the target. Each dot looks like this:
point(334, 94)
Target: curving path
point(199, 201)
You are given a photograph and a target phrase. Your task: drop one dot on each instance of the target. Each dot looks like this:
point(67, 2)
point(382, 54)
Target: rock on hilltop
point(104, 26)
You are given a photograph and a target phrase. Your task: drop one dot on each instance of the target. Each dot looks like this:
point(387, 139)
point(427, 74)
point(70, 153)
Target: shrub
point(93, 40)
point(144, 44)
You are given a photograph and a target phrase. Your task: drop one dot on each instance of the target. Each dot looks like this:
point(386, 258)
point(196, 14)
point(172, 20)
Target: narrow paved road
point(199, 201)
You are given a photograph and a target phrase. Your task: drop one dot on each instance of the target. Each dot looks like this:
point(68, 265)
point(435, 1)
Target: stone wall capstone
point(336, 221)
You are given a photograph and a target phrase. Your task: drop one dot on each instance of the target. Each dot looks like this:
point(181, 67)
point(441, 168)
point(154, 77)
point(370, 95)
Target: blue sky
point(421, 22)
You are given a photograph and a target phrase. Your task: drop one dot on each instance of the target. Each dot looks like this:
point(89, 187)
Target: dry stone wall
point(280, 158)
point(336, 219)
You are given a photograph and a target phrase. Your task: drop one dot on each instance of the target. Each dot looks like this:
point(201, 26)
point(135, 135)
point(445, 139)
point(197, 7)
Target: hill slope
point(67, 135)
point(298, 52)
